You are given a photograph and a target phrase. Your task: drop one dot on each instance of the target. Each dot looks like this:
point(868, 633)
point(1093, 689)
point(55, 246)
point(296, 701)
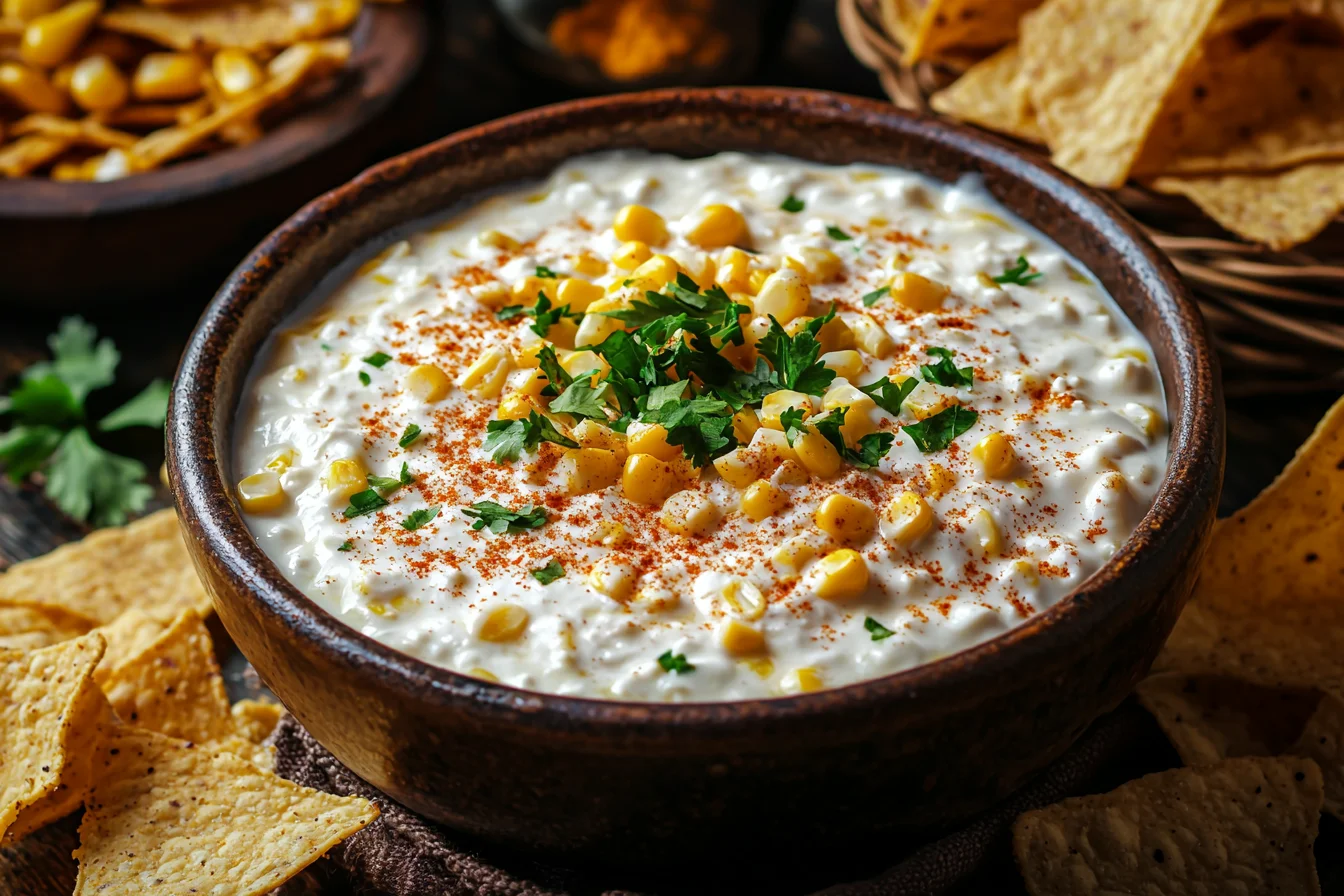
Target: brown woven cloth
point(402, 854)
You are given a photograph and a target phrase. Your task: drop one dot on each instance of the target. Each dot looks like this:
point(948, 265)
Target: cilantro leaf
point(937, 432)
point(675, 663)
point(558, 378)
point(701, 426)
point(409, 435)
point(877, 629)
point(418, 518)
point(346, 546)
point(661, 395)
point(545, 273)
point(78, 358)
point(500, 519)
point(871, 448)
point(384, 483)
point(506, 440)
point(546, 315)
point(405, 476)
point(364, 377)
point(794, 358)
point(748, 387)
point(1018, 273)
point(509, 312)
point(89, 483)
point(681, 296)
point(888, 394)
point(582, 399)
point(377, 359)
point(792, 422)
point(792, 204)
point(149, 408)
point(549, 573)
point(24, 449)
point(946, 373)
point(44, 400)
point(365, 502)
point(871, 298)
point(836, 233)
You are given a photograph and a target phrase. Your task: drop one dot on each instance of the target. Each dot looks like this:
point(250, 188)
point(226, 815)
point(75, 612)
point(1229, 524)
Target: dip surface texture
point(972, 435)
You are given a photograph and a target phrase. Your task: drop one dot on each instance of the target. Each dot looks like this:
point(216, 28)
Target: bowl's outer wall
point(601, 779)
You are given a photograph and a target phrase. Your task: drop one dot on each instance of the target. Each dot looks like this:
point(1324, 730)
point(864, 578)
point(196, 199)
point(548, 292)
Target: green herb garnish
point(1017, 273)
point(418, 518)
point(506, 440)
point(937, 432)
point(794, 358)
point(703, 427)
point(792, 204)
point(405, 476)
point(871, 298)
point(364, 502)
point(377, 359)
point(867, 451)
point(500, 519)
point(549, 573)
point(364, 377)
point(877, 629)
point(384, 483)
point(582, 399)
point(346, 546)
point(545, 314)
point(792, 422)
point(888, 395)
point(546, 273)
point(411, 433)
point(836, 233)
point(946, 373)
point(675, 663)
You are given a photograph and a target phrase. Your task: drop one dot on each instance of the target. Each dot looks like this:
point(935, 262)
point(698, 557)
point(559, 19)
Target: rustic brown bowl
point(631, 782)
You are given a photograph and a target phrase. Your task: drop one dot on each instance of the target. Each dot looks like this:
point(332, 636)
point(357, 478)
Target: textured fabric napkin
point(402, 854)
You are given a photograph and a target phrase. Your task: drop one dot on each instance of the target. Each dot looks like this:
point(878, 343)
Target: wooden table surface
point(469, 50)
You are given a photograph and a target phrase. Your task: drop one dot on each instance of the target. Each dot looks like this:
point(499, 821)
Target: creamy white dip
point(1057, 374)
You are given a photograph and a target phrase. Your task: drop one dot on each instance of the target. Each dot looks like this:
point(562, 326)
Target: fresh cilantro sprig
point(500, 519)
point(582, 398)
point(945, 372)
point(794, 358)
point(791, 420)
point(49, 430)
point(418, 518)
point(409, 435)
point(866, 453)
point(675, 663)
point(549, 573)
point(1018, 273)
point(703, 427)
point(364, 503)
point(877, 629)
point(543, 313)
point(937, 432)
point(507, 440)
point(890, 395)
point(871, 298)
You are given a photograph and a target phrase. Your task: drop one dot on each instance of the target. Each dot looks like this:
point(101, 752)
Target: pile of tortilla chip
point(90, 91)
point(1237, 105)
point(111, 699)
point(1250, 691)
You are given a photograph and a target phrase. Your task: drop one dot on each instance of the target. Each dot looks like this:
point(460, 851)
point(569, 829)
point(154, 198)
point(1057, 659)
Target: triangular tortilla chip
point(994, 95)
point(955, 27)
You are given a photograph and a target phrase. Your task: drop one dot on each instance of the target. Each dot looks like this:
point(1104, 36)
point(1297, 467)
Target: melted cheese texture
point(1058, 371)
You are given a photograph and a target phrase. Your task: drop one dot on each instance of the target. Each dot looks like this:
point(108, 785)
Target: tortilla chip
point(128, 636)
point(949, 26)
point(143, 115)
point(254, 27)
point(1242, 826)
point(86, 132)
point(27, 154)
point(174, 687)
point(256, 719)
point(1323, 741)
point(1236, 14)
point(141, 565)
point(993, 94)
point(1268, 607)
point(168, 817)
point(901, 19)
point(1099, 73)
point(29, 627)
point(43, 694)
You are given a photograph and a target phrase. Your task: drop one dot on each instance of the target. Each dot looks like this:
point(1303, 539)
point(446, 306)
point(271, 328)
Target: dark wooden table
point(471, 78)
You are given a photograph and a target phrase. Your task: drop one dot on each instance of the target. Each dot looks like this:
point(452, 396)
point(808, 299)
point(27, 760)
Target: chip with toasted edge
point(41, 695)
point(1241, 826)
point(1099, 73)
point(958, 26)
point(254, 27)
point(174, 686)
point(1323, 740)
point(993, 94)
point(1280, 209)
point(256, 719)
point(1268, 607)
point(25, 155)
point(1234, 14)
point(144, 564)
point(127, 636)
point(29, 626)
point(169, 817)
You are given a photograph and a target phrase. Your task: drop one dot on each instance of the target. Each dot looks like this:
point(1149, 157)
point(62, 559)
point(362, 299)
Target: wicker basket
point(1278, 317)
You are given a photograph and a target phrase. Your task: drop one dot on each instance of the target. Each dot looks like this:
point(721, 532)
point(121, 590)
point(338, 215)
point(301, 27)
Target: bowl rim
point(212, 519)
point(316, 128)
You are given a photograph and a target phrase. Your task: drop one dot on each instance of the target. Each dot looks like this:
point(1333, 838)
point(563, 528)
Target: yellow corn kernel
point(793, 555)
point(613, 578)
point(167, 76)
point(784, 295)
point(740, 639)
point(261, 492)
point(236, 72)
point(345, 477)
point(996, 456)
point(483, 674)
point(29, 89)
point(736, 468)
point(577, 294)
point(816, 265)
point(745, 424)
point(530, 355)
point(591, 434)
point(845, 518)
point(595, 328)
point(515, 406)
point(717, 226)
point(486, 375)
point(941, 480)
point(756, 281)
point(841, 575)
point(804, 680)
point(631, 255)
point(657, 600)
point(761, 665)
point(525, 289)
point(744, 599)
point(578, 363)
point(925, 401)
point(506, 622)
point(427, 382)
point(847, 364)
point(493, 239)
point(652, 440)
point(906, 518)
point(817, 455)
point(611, 533)
point(636, 222)
point(761, 500)
point(282, 460)
point(755, 330)
point(768, 449)
point(734, 270)
point(1144, 417)
point(985, 534)
point(584, 470)
point(646, 479)
point(589, 265)
point(843, 395)
point(834, 335)
point(918, 293)
point(1026, 571)
point(655, 273)
point(49, 40)
point(27, 10)
point(563, 332)
point(789, 473)
point(775, 404)
point(492, 295)
point(526, 381)
point(689, 513)
point(97, 85)
point(870, 337)
point(858, 421)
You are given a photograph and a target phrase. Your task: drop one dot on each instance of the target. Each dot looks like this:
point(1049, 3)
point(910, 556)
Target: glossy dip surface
point(709, 596)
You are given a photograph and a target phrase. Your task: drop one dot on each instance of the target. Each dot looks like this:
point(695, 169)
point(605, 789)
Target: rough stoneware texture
point(633, 782)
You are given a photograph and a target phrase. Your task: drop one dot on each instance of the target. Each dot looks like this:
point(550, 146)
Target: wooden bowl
point(638, 782)
point(76, 244)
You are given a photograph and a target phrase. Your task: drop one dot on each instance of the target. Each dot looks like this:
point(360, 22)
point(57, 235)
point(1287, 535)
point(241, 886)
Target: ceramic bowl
point(636, 782)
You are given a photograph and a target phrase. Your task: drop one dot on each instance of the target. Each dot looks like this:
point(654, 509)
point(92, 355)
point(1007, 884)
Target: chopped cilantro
point(621, 424)
point(703, 427)
point(500, 519)
point(1018, 273)
point(871, 298)
point(405, 476)
point(792, 204)
point(582, 399)
point(411, 433)
point(546, 316)
point(794, 358)
point(946, 373)
point(792, 421)
point(324, 347)
point(346, 546)
point(559, 378)
point(384, 483)
point(506, 440)
point(877, 629)
point(867, 451)
point(364, 502)
point(364, 377)
point(549, 573)
point(377, 359)
point(937, 432)
point(675, 663)
point(748, 387)
point(509, 312)
point(418, 518)
point(836, 233)
point(888, 394)
point(679, 297)
point(546, 273)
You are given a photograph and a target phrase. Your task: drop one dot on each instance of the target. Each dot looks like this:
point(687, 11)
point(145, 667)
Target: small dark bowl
point(632, 782)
